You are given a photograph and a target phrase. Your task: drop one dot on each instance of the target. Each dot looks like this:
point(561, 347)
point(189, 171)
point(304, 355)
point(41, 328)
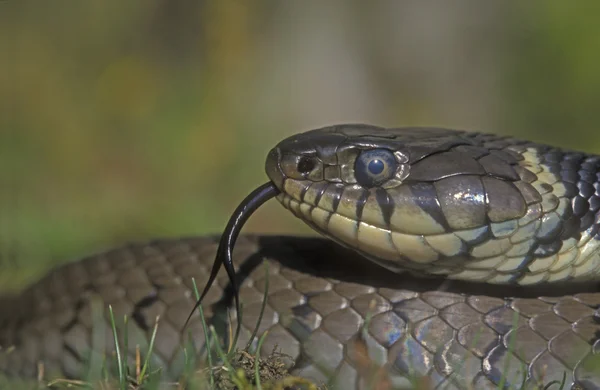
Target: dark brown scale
point(587, 176)
point(462, 212)
point(569, 175)
point(443, 165)
point(571, 190)
point(530, 194)
point(572, 161)
point(474, 151)
point(594, 203)
point(594, 160)
point(594, 229)
point(360, 131)
point(550, 234)
point(586, 189)
point(580, 206)
point(553, 157)
point(497, 144)
point(507, 155)
point(587, 221)
point(505, 202)
point(495, 166)
point(525, 174)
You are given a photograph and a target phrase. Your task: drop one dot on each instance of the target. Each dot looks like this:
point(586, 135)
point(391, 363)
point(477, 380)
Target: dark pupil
point(376, 166)
point(305, 165)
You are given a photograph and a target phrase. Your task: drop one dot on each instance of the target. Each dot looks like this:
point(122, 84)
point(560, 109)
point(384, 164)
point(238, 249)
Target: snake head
point(481, 207)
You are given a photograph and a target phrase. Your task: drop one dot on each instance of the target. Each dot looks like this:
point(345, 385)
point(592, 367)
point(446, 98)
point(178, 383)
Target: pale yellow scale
point(521, 248)
point(500, 278)
point(533, 278)
point(489, 263)
point(320, 218)
point(414, 248)
point(476, 275)
point(525, 232)
point(376, 241)
point(447, 244)
point(510, 264)
point(491, 247)
point(560, 275)
point(504, 229)
point(294, 188)
point(343, 228)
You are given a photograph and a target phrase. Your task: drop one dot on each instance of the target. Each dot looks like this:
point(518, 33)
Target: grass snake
point(470, 258)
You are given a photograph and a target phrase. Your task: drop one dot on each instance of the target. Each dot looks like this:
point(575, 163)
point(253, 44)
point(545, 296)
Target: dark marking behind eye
point(321, 192)
point(426, 198)
point(386, 204)
point(337, 197)
point(360, 204)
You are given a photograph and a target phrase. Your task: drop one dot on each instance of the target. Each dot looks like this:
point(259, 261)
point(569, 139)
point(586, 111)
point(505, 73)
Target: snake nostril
point(306, 165)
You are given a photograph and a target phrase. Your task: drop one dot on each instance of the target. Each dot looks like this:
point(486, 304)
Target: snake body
point(469, 258)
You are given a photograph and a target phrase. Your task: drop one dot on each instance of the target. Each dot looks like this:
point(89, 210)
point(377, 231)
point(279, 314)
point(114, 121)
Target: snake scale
point(470, 258)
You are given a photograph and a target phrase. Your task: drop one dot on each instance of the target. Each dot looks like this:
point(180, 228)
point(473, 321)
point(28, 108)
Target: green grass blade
point(206, 336)
point(126, 345)
point(122, 378)
point(149, 353)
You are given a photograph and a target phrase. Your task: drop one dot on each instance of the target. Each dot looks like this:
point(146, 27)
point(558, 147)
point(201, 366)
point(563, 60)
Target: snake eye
point(306, 165)
point(374, 167)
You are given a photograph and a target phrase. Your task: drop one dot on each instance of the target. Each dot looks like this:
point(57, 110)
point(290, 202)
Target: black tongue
point(224, 253)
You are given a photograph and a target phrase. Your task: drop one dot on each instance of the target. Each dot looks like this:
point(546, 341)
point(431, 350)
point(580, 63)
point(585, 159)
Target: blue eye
point(374, 167)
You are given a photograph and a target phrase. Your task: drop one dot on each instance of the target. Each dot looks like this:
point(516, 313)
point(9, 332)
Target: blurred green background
point(141, 119)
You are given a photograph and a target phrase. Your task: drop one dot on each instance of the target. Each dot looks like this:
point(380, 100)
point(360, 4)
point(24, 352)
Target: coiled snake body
point(470, 258)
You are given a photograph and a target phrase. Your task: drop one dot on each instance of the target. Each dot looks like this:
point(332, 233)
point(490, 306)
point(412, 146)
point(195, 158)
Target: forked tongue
point(224, 253)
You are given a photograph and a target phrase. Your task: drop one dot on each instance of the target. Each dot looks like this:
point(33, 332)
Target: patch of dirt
point(272, 370)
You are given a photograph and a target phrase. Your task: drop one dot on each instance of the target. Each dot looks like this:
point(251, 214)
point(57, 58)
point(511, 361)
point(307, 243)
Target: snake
point(468, 258)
